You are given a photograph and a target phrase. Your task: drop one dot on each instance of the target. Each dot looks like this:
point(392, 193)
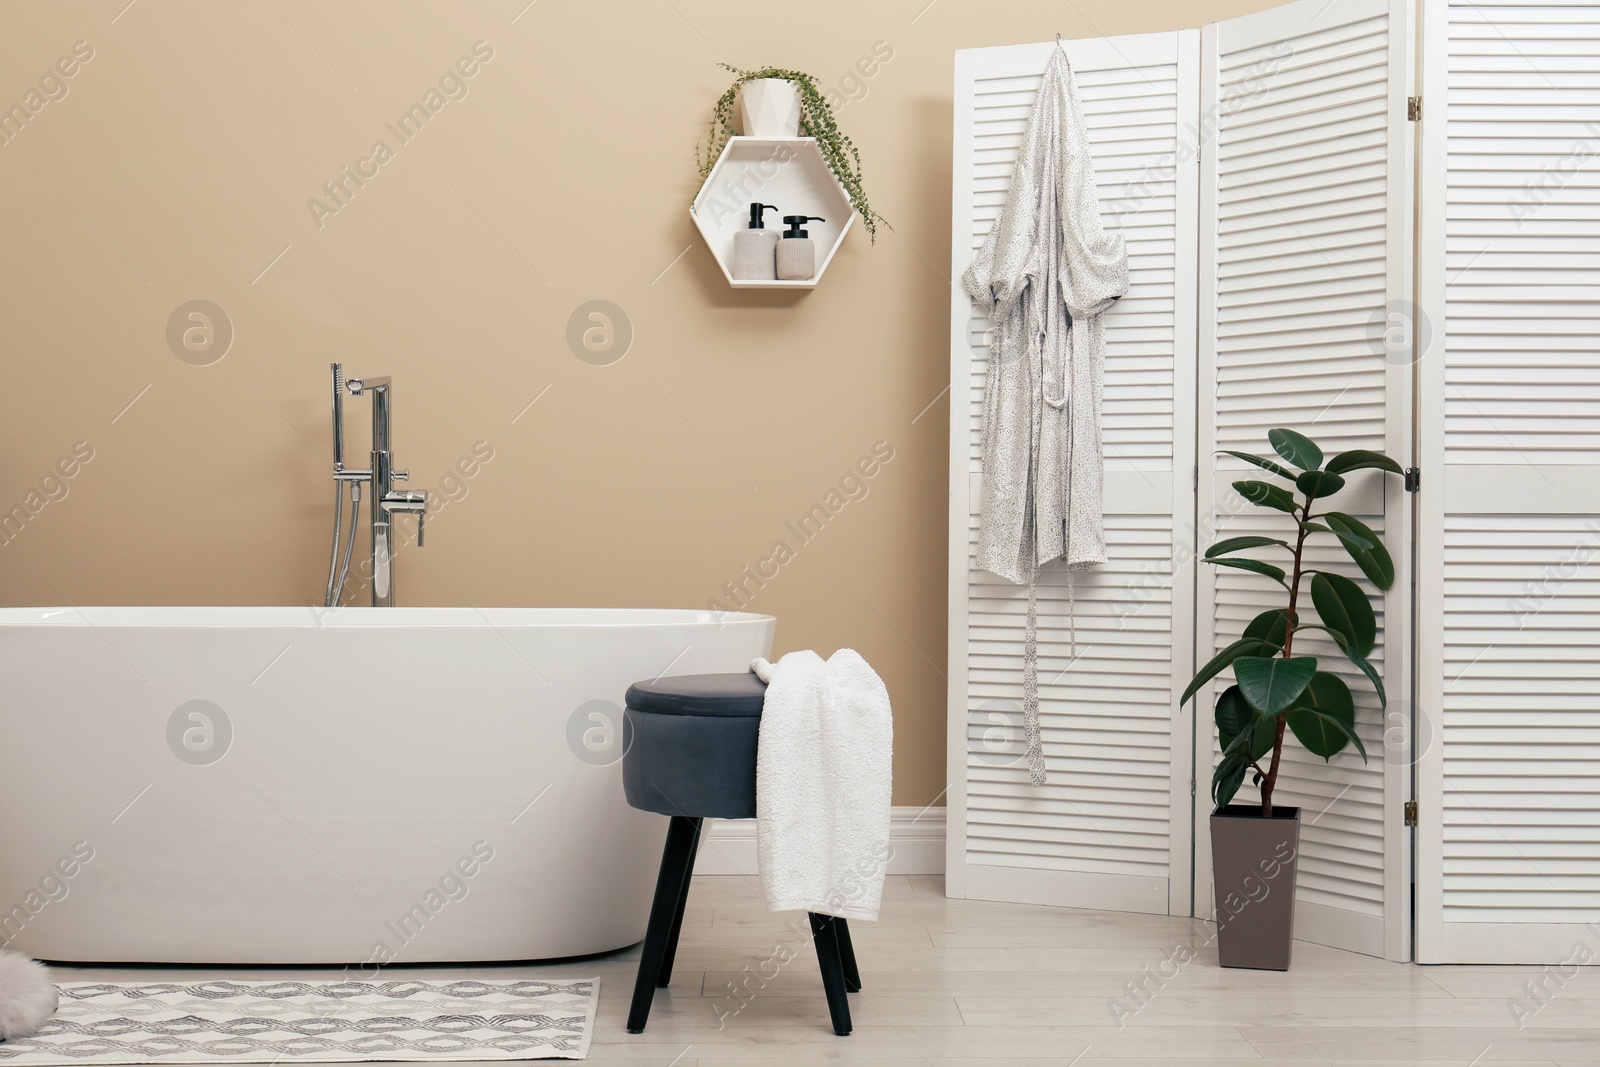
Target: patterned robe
point(1044, 276)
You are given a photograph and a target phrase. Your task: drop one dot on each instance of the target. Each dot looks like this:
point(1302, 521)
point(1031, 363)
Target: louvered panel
point(1110, 647)
point(1301, 207)
point(1106, 694)
point(1301, 163)
point(1509, 866)
point(1522, 233)
point(1520, 816)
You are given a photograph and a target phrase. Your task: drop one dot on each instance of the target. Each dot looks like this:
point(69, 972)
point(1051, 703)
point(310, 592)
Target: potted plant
point(1277, 692)
point(768, 112)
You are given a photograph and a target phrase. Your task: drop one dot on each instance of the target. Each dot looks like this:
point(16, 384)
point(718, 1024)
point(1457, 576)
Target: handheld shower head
point(338, 417)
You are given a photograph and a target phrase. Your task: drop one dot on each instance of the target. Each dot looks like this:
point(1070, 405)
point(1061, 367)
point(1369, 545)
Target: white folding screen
point(1265, 177)
point(1111, 828)
point(1304, 250)
point(1287, 131)
point(1508, 864)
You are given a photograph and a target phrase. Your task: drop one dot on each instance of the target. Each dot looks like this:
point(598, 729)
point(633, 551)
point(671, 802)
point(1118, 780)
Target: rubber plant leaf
point(1275, 573)
point(1266, 495)
point(1297, 448)
point(1238, 544)
point(1344, 607)
point(1361, 458)
point(1272, 625)
point(1234, 715)
point(1272, 684)
point(1228, 777)
point(1245, 646)
point(1230, 770)
point(1316, 484)
point(1324, 718)
point(1366, 548)
point(1355, 657)
point(1264, 464)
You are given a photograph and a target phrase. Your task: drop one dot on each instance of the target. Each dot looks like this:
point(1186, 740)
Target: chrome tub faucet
point(384, 500)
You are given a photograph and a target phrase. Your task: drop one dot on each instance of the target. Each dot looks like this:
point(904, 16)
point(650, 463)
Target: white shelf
point(787, 171)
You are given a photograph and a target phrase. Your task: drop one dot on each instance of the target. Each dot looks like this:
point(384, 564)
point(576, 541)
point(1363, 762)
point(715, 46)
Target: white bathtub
point(406, 784)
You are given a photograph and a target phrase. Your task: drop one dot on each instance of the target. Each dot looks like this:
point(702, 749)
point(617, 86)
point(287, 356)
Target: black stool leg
point(847, 957)
point(677, 920)
point(827, 943)
point(671, 886)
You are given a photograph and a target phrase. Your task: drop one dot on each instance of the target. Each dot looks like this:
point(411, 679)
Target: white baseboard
point(915, 834)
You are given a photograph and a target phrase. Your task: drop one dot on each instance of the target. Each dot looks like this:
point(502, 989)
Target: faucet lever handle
point(399, 476)
point(408, 501)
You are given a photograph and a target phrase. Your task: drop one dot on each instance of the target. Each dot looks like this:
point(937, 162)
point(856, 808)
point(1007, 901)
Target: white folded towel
point(823, 766)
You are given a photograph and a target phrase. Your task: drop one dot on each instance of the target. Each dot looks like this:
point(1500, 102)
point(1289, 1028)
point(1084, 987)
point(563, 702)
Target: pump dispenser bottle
point(797, 253)
point(754, 249)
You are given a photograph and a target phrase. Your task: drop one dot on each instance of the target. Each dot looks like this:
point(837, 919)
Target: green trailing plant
point(1276, 692)
point(816, 120)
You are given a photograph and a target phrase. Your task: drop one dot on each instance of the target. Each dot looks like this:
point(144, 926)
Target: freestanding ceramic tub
point(358, 786)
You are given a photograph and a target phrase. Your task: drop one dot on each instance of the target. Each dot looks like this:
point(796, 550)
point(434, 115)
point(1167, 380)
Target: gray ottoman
point(690, 754)
point(691, 745)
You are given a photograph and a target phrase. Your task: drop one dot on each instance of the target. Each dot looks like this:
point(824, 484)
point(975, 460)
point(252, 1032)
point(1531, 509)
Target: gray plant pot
point(1253, 863)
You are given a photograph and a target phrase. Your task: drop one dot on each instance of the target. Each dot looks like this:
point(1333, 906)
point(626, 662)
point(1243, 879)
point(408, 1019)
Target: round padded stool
point(691, 755)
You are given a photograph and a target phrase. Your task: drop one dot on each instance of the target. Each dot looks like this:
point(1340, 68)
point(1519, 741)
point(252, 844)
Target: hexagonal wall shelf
point(788, 172)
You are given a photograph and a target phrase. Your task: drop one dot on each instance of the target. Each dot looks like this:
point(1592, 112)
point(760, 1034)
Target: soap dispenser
point(797, 253)
point(754, 250)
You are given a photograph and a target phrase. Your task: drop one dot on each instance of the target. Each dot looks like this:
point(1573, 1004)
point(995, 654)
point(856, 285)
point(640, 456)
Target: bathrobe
point(1044, 276)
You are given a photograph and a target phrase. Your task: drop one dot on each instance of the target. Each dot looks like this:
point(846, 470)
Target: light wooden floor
point(957, 983)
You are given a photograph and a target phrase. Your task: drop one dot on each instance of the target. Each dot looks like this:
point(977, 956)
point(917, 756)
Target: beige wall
point(179, 164)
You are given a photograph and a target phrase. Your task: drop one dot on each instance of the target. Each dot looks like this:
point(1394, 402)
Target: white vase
point(770, 107)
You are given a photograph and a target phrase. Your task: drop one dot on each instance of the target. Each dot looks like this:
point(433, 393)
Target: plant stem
point(1270, 781)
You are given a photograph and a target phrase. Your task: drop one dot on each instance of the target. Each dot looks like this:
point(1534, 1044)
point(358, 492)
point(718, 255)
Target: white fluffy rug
point(314, 1022)
point(27, 996)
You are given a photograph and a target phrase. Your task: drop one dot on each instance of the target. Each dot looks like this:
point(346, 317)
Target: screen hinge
point(1414, 108)
point(1191, 787)
point(1413, 479)
point(1411, 813)
point(1197, 477)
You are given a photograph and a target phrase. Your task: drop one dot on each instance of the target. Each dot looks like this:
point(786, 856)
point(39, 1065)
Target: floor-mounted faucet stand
point(384, 500)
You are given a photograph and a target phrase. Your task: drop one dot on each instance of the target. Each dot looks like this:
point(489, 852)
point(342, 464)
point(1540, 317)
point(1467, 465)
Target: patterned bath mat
point(313, 1022)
